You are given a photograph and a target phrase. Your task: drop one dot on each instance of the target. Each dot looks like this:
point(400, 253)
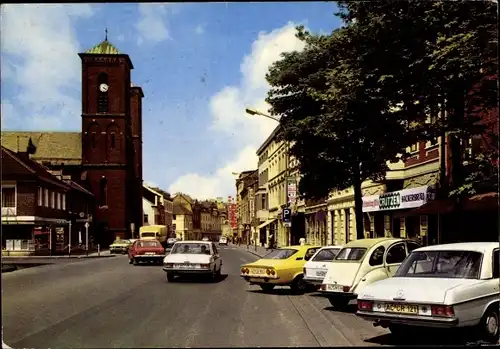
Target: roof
point(57, 147)
point(268, 140)
point(367, 243)
point(78, 187)
point(461, 246)
point(104, 48)
point(301, 247)
point(193, 242)
point(180, 210)
point(34, 167)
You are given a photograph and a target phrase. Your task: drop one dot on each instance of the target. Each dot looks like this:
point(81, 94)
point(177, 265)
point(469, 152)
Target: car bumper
point(331, 294)
point(313, 281)
point(118, 250)
point(150, 258)
point(259, 280)
point(412, 320)
point(187, 271)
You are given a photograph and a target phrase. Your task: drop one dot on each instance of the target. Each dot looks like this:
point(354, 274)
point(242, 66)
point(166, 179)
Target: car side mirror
point(299, 258)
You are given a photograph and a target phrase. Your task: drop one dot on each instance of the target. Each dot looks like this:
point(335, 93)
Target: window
point(46, 198)
point(414, 148)
point(9, 197)
point(377, 257)
point(310, 252)
point(113, 141)
point(40, 196)
point(496, 263)
point(283, 253)
point(58, 201)
point(326, 255)
point(173, 217)
point(52, 199)
point(64, 202)
point(396, 253)
point(264, 202)
point(145, 218)
point(94, 140)
point(103, 191)
point(410, 246)
point(351, 254)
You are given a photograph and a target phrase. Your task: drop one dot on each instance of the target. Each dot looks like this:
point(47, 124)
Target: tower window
point(93, 140)
point(103, 191)
point(102, 99)
point(113, 141)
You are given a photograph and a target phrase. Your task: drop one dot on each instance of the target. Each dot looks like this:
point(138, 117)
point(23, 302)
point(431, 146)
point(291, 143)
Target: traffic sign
point(287, 215)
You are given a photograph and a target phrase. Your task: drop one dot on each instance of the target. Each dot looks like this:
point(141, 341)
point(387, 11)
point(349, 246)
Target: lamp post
point(252, 111)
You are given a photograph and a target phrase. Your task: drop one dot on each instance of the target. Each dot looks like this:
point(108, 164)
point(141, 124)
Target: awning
point(480, 202)
point(431, 207)
point(266, 223)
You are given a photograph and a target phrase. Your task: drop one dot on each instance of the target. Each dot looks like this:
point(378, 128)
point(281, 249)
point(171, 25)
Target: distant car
point(281, 267)
point(316, 268)
point(146, 251)
point(193, 258)
point(223, 240)
point(441, 286)
point(119, 246)
point(170, 243)
point(205, 239)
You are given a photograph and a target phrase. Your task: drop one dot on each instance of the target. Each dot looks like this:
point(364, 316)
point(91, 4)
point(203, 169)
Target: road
point(97, 303)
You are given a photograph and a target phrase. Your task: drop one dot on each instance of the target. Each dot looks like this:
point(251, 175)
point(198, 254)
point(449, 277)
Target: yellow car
point(119, 246)
point(281, 267)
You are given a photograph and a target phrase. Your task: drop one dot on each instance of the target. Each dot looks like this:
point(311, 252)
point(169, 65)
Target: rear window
point(148, 235)
point(283, 253)
point(351, 254)
point(190, 248)
point(326, 255)
point(149, 244)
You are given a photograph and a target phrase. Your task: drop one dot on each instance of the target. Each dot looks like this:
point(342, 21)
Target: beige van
point(154, 232)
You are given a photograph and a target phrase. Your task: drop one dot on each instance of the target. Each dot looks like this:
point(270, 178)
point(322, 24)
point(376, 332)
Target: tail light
point(169, 265)
point(242, 270)
point(273, 272)
point(346, 288)
point(245, 270)
point(442, 310)
point(365, 305)
point(323, 287)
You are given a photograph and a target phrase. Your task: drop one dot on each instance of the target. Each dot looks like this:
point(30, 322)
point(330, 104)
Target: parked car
point(170, 243)
point(146, 251)
point(205, 239)
point(316, 268)
point(119, 246)
point(223, 240)
point(193, 258)
point(360, 263)
point(283, 267)
point(443, 286)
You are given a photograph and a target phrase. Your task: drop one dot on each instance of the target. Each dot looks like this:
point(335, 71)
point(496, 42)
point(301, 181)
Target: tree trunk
point(358, 207)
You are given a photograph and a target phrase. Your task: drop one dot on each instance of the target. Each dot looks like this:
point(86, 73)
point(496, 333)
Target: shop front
point(387, 214)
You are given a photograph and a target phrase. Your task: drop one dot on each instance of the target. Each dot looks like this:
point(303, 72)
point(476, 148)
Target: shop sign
point(291, 188)
point(397, 200)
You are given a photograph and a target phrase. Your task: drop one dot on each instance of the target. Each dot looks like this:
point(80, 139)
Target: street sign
point(287, 224)
point(287, 215)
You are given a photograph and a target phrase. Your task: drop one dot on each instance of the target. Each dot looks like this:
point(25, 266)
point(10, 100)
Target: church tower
point(111, 133)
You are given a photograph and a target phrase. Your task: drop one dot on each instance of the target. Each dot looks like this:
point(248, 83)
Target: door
point(395, 255)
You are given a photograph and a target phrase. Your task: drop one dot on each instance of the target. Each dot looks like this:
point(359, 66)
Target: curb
point(12, 258)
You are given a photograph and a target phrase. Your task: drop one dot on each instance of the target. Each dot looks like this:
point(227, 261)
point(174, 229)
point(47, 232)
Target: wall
point(148, 209)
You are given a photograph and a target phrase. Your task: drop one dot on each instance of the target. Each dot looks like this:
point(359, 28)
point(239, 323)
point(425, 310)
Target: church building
point(106, 156)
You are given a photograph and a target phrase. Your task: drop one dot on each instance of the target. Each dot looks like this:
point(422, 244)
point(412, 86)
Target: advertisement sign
point(231, 208)
point(398, 200)
point(291, 189)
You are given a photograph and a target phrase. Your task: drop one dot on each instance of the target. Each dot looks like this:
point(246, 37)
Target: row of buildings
point(403, 205)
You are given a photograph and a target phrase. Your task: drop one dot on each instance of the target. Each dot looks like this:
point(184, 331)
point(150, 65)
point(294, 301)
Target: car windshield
point(326, 255)
point(283, 253)
point(351, 254)
point(442, 264)
point(148, 235)
point(190, 248)
point(149, 244)
point(120, 241)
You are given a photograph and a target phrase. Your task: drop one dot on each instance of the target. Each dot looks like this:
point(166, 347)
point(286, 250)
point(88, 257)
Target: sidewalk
point(101, 254)
point(260, 252)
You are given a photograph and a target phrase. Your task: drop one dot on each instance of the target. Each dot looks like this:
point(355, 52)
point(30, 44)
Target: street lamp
point(252, 111)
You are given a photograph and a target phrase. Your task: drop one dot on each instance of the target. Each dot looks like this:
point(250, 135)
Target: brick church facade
point(106, 156)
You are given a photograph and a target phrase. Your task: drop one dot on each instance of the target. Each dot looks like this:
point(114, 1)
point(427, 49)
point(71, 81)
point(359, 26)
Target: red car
point(146, 251)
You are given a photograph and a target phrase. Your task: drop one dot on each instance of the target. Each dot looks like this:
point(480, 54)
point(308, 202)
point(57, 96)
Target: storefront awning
point(431, 207)
point(266, 223)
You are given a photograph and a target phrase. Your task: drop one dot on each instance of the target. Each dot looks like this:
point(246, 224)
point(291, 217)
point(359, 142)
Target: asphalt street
point(98, 303)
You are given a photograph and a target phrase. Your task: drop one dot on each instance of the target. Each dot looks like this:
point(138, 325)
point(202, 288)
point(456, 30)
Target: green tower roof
point(104, 48)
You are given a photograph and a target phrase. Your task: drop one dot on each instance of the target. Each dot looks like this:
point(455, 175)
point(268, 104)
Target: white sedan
point(316, 268)
point(441, 286)
point(193, 258)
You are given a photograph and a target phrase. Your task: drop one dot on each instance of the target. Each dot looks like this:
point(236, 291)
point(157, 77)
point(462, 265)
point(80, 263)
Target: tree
point(340, 135)
point(437, 53)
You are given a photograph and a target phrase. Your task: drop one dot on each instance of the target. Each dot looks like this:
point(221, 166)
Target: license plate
point(335, 288)
point(402, 308)
point(257, 271)
point(320, 273)
point(150, 253)
point(182, 266)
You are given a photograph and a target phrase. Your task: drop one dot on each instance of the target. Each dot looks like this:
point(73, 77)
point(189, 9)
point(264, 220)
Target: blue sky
point(199, 65)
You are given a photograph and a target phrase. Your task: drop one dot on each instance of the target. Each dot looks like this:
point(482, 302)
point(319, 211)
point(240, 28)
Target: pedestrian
point(302, 241)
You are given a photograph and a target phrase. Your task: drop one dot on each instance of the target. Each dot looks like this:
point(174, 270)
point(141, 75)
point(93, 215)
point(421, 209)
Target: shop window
point(377, 257)
point(396, 253)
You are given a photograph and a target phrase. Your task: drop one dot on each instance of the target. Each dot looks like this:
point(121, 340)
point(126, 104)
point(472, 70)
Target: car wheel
point(218, 274)
point(134, 261)
point(170, 277)
point(489, 325)
point(267, 287)
point(213, 277)
point(130, 261)
point(298, 285)
point(339, 303)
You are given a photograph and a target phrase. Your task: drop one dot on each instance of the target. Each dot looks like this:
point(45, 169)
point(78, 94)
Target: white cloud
point(227, 109)
point(200, 29)
point(40, 49)
point(152, 24)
